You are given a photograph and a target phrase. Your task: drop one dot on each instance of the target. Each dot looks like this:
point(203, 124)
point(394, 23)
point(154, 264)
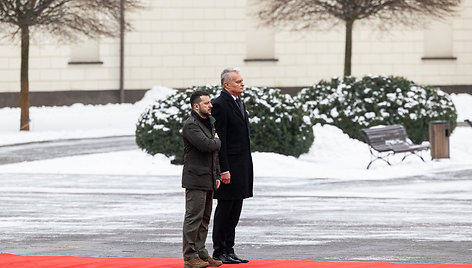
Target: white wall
point(181, 43)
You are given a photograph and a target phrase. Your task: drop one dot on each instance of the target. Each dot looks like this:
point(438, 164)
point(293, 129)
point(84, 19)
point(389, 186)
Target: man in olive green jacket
point(200, 178)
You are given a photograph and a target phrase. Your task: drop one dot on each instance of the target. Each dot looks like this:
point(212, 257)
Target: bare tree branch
point(65, 19)
point(296, 15)
point(308, 14)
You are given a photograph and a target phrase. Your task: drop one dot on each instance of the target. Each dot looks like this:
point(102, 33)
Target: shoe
point(226, 259)
point(212, 262)
point(235, 257)
point(196, 263)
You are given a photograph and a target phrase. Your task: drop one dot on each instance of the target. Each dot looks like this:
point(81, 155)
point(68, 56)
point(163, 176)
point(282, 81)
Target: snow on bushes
point(282, 124)
point(277, 123)
point(354, 104)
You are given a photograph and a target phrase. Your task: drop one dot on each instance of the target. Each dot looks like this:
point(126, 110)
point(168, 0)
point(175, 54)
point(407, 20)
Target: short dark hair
point(195, 97)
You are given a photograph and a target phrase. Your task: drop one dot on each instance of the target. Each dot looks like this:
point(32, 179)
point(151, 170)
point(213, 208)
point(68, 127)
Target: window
point(85, 52)
point(259, 41)
point(438, 42)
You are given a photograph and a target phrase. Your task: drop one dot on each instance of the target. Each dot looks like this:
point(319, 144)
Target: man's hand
point(218, 182)
point(216, 136)
point(226, 177)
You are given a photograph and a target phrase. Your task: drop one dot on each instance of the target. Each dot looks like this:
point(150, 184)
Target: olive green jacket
point(201, 164)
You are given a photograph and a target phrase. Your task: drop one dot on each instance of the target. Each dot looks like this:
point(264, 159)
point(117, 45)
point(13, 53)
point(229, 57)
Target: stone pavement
point(423, 219)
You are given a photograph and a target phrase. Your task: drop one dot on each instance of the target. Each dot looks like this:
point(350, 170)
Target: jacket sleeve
point(194, 134)
point(220, 114)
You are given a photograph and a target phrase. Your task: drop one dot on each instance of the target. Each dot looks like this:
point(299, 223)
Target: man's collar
point(234, 98)
point(198, 115)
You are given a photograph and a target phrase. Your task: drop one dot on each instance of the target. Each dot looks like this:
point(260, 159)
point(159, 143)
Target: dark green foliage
point(354, 104)
point(277, 124)
point(159, 127)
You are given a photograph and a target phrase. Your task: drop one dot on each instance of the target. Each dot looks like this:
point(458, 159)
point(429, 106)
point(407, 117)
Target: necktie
point(240, 105)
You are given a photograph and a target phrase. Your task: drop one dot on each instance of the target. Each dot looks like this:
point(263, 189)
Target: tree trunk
point(24, 82)
point(348, 48)
point(122, 50)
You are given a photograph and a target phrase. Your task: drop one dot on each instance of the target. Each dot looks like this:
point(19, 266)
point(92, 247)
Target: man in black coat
point(232, 126)
point(200, 178)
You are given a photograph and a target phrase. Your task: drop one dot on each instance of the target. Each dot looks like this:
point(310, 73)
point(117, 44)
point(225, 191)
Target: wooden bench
point(385, 141)
point(468, 122)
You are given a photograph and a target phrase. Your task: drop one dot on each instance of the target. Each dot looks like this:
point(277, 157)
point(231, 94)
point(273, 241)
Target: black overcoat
point(235, 152)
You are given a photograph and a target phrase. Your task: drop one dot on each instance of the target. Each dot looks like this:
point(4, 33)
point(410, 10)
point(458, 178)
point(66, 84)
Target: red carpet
point(9, 260)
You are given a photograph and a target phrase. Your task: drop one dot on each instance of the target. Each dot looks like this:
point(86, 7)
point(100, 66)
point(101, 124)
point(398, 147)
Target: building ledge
point(85, 62)
point(439, 58)
point(261, 60)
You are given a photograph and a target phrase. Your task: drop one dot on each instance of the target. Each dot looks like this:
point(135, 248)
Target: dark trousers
point(197, 217)
point(224, 225)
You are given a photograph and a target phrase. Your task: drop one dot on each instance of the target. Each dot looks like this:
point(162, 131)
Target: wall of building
point(181, 43)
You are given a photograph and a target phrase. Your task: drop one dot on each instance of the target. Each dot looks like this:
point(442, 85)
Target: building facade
point(183, 43)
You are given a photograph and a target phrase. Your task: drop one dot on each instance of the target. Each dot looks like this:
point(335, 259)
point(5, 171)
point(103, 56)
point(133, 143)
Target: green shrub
point(354, 104)
point(277, 123)
point(159, 127)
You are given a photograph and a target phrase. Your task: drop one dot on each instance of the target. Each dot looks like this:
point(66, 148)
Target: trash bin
point(439, 139)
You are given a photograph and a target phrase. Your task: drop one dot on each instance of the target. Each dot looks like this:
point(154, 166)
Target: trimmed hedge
point(282, 124)
point(354, 104)
point(159, 127)
point(277, 123)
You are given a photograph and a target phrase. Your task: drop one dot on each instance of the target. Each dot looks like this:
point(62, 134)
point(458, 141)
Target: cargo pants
point(198, 206)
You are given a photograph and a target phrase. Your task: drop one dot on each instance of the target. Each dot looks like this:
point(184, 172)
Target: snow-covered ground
point(332, 155)
point(323, 205)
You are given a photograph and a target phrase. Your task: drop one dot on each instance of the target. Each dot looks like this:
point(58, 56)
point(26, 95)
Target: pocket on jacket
point(199, 170)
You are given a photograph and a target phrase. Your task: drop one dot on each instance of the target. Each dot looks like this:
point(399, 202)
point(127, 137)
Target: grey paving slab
point(32, 151)
point(425, 219)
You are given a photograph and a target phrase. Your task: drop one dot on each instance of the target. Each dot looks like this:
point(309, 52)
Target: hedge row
point(283, 124)
point(277, 124)
point(353, 104)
